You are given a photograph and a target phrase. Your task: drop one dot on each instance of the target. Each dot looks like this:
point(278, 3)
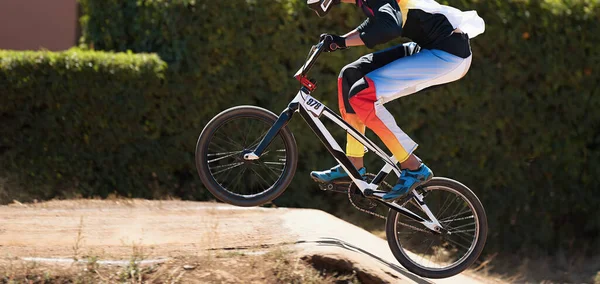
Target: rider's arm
point(383, 25)
point(353, 38)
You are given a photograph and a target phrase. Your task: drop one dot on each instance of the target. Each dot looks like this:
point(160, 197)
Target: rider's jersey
point(425, 22)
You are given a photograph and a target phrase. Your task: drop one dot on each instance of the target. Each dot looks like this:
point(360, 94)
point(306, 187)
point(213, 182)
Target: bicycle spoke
point(463, 232)
point(223, 157)
point(415, 228)
point(406, 233)
point(457, 209)
point(427, 250)
point(463, 236)
point(274, 163)
point(277, 169)
point(457, 243)
point(226, 165)
point(246, 132)
point(239, 176)
point(444, 205)
point(454, 216)
point(469, 224)
point(225, 178)
point(221, 154)
point(271, 171)
point(219, 148)
point(449, 204)
point(266, 182)
point(231, 166)
point(233, 143)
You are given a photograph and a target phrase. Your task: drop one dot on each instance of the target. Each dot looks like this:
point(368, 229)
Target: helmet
point(321, 7)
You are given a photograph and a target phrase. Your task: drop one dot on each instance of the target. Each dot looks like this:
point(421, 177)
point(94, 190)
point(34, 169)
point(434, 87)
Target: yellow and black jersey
point(425, 22)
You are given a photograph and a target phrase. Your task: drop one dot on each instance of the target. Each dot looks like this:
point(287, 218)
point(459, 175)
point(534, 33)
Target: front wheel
point(222, 167)
point(440, 254)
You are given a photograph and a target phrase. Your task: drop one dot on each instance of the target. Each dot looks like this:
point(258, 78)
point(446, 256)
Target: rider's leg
point(380, 120)
point(399, 78)
point(349, 75)
point(354, 149)
point(412, 163)
point(358, 162)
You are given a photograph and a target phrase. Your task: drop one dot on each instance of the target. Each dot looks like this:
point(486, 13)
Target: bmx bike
point(247, 156)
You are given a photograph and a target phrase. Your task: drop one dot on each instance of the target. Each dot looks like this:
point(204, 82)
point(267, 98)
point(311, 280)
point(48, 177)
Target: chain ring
point(360, 202)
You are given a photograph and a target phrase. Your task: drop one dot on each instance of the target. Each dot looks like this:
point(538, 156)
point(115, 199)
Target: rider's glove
point(333, 42)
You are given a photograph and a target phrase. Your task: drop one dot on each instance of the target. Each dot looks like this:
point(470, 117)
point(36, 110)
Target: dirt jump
point(63, 231)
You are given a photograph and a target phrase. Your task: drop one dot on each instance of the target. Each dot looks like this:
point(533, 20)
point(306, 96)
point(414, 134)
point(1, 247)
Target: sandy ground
point(114, 230)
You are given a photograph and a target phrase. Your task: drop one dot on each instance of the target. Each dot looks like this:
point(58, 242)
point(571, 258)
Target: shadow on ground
point(334, 242)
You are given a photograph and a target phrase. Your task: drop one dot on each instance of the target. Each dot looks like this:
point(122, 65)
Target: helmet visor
point(321, 7)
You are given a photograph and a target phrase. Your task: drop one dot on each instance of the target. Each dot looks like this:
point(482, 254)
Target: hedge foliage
point(78, 121)
point(521, 129)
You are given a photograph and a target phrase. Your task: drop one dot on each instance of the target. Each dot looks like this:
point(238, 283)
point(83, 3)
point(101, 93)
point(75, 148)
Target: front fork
point(281, 122)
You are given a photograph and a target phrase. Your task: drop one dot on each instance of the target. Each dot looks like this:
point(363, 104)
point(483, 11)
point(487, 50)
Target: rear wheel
point(222, 167)
point(444, 254)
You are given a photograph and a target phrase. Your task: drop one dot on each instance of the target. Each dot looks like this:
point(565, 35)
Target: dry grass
point(78, 240)
point(563, 267)
point(276, 266)
point(289, 269)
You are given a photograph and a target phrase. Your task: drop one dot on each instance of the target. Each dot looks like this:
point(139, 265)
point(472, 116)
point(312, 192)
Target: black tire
point(260, 121)
point(480, 230)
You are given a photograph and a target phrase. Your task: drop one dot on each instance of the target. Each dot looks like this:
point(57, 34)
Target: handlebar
point(316, 50)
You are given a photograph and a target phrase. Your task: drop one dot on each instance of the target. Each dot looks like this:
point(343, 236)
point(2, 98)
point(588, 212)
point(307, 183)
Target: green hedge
point(521, 129)
point(79, 121)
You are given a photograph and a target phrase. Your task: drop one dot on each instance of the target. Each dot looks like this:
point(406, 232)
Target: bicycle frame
point(312, 111)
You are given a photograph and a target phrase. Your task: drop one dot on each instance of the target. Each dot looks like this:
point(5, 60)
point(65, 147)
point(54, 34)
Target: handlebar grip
point(327, 40)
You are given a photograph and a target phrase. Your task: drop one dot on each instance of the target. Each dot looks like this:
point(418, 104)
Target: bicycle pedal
point(326, 186)
point(334, 186)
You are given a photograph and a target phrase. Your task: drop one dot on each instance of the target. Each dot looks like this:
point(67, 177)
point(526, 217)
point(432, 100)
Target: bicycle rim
point(227, 167)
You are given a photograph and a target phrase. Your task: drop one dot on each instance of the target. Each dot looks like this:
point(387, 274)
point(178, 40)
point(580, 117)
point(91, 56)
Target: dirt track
point(113, 229)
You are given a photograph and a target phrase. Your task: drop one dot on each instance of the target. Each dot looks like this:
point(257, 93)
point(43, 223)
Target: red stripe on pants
point(363, 104)
point(353, 147)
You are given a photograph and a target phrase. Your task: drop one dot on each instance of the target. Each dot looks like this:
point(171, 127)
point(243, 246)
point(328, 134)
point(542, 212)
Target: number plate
point(312, 105)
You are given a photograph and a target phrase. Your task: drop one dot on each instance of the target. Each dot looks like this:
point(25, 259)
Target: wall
point(37, 24)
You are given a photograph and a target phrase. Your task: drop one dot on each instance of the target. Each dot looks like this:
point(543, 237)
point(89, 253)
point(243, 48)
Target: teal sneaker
point(408, 181)
point(333, 174)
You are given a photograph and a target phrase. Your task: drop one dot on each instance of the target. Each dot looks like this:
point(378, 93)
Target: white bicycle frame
point(312, 111)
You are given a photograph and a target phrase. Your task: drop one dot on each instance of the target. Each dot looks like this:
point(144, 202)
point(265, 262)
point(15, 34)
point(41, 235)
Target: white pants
point(402, 77)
